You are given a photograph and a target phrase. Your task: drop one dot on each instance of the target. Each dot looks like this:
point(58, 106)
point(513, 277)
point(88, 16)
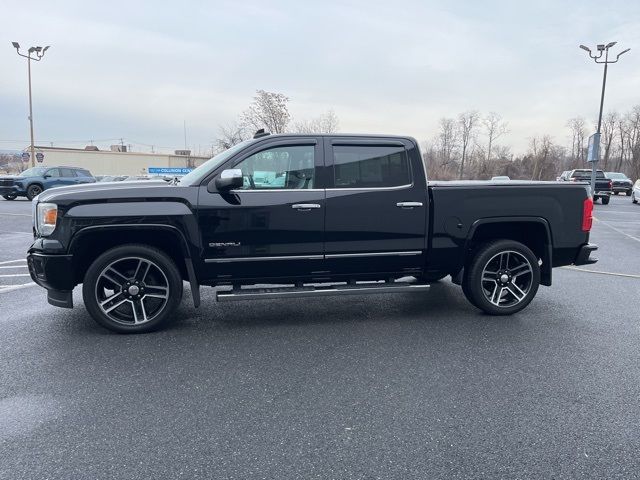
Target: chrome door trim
point(408, 204)
point(374, 189)
point(266, 190)
point(263, 259)
point(313, 257)
point(373, 254)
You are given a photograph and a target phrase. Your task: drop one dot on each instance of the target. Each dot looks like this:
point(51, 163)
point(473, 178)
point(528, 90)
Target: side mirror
point(229, 179)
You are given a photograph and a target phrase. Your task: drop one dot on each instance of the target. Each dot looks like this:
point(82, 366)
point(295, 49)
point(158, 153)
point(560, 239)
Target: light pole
point(39, 53)
point(602, 49)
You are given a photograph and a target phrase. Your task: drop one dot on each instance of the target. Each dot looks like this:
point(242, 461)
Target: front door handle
point(408, 205)
point(304, 207)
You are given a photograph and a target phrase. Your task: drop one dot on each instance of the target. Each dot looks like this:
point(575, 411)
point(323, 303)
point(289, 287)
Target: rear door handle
point(408, 204)
point(305, 207)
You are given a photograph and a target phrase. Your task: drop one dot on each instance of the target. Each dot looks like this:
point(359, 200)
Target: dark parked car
point(604, 185)
point(34, 181)
point(621, 183)
point(313, 215)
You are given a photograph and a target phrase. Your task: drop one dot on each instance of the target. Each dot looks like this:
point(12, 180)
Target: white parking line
point(14, 266)
point(13, 261)
point(15, 275)
point(11, 288)
point(620, 231)
point(627, 275)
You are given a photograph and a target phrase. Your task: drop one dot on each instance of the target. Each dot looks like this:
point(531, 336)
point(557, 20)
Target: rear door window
point(370, 166)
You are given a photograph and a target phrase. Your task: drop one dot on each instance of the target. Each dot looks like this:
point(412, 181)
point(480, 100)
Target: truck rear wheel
point(132, 289)
point(502, 278)
point(605, 200)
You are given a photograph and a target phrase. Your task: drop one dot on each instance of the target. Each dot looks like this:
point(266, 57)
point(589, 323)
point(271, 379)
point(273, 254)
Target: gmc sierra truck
point(282, 216)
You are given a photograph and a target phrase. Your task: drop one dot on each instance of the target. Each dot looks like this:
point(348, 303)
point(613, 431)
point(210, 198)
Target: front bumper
point(583, 257)
point(55, 273)
point(11, 190)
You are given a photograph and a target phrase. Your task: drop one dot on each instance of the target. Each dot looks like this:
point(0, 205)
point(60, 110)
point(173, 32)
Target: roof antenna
point(260, 133)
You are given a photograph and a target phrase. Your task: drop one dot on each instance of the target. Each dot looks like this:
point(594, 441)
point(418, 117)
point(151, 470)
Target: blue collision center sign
point(169, 170)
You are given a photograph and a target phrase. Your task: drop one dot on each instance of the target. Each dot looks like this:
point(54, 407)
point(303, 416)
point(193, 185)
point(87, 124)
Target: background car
point(34, 181)
point(564, 176)
point(500, 178)
point(604, 185)
point(635, 192)
point(621, 183)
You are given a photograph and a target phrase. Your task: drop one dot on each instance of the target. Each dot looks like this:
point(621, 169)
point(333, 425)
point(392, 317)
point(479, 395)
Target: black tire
point(9, 197)
point(467, 291)
point(33, 191)
point(615, 193)
point(633, 198)
point(605, 200)
point(131, 292)
point(516, 283)
point(628, 192)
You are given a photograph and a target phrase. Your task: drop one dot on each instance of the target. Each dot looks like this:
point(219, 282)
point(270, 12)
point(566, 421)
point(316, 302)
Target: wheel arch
point(90, 242)
point(534, 232)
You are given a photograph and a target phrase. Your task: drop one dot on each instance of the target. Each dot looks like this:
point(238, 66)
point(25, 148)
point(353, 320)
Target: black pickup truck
point(604, 185)
point(284, 216)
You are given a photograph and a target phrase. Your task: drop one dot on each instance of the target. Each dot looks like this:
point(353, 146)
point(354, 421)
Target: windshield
point(617, 176)
point(193, 177)
point(33, 172)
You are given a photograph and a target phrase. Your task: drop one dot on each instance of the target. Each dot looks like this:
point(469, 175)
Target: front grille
point(6, 182)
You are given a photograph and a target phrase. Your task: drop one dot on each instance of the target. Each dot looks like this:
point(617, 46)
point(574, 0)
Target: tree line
point(470, 145)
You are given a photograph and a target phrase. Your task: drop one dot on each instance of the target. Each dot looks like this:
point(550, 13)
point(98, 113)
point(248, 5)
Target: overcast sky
point(124, 70)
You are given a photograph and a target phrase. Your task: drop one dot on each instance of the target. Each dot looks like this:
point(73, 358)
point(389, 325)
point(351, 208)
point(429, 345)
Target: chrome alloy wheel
point(132, 290)
point(507, 278)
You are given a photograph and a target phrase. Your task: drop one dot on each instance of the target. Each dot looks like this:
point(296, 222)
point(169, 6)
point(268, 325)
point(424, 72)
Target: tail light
point(587, 214)
point(610, 183)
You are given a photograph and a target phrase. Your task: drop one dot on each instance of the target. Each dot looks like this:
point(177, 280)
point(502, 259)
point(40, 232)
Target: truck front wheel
point(132, 289)
point(502, 278)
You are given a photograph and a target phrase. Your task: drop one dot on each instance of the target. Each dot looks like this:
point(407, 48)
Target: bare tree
point(578, 134)
point(467, 124)
point(495, 127)
point(326, 123)
point(269, 111)
point(609, 126)
point(447, 141)
point(230, 135)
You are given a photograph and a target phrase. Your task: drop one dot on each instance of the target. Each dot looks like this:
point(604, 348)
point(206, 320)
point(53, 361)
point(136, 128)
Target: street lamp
point(602, 48)
point(39, 53)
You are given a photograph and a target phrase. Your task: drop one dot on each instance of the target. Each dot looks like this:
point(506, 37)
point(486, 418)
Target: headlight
point(46, 218)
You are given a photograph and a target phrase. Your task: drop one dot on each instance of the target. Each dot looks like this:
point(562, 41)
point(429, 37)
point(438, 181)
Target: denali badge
point(224, 244)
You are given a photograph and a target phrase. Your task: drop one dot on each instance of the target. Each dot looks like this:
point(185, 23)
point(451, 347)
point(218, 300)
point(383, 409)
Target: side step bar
point(319, 291)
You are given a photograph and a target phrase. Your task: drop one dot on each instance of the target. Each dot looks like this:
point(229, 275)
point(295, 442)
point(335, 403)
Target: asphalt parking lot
point(389, 386)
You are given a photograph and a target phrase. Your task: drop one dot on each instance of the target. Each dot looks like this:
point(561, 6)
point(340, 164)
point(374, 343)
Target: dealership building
point(115, 161)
